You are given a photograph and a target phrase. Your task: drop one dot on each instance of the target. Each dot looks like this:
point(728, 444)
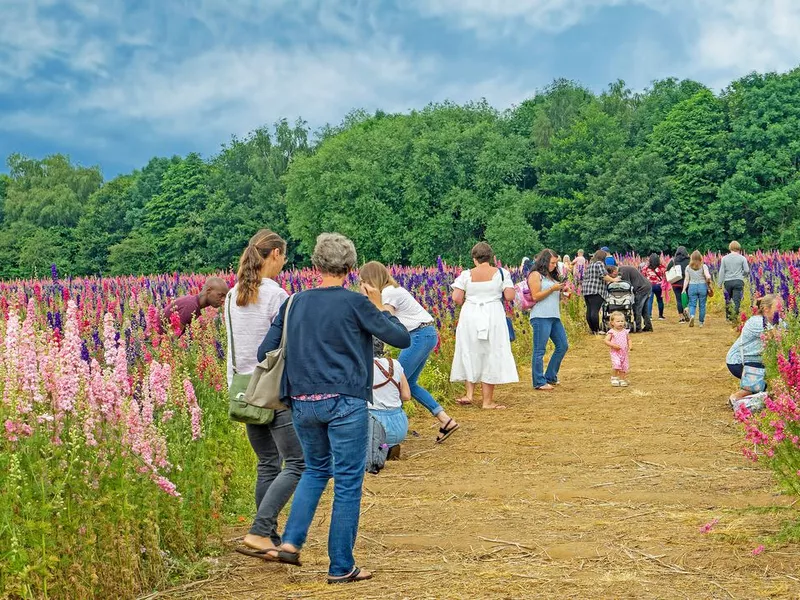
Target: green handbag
point(238, 409)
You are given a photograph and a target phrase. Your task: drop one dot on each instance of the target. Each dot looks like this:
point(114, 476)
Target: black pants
point(735, 290)
point(594, 302)
point(639, 312)
point(677, 289)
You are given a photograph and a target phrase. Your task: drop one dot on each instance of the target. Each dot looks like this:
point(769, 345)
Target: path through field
point(588, 492)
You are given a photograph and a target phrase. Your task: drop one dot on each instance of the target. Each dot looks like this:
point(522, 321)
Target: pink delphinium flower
point(758, 550)
point(194, 409)
point(166, 485)
point(708, 526)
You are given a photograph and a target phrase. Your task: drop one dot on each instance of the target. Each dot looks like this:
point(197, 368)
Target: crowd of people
point(338, 378)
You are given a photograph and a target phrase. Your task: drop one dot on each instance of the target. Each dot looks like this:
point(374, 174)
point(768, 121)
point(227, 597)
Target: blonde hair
point(614, 315)
point(261, 245)
point(734, 246)
point(377, 275)
point(765, 302)
point(696, 261)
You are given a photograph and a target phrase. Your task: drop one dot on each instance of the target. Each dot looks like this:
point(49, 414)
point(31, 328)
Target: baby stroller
point(620, 299)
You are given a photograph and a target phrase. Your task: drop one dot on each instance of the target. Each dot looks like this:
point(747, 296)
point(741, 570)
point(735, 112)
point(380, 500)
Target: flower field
point(118, 463)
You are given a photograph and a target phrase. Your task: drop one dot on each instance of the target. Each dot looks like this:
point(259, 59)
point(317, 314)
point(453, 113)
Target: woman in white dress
point(483, 349)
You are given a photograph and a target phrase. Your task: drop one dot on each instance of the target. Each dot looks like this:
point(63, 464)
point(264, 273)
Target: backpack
point(522, 295)
point(377, 448)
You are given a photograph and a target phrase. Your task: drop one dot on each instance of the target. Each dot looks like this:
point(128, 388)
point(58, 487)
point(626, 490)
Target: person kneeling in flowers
point(389, 390)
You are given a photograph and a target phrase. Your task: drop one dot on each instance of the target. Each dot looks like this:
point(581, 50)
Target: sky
point(116, 82)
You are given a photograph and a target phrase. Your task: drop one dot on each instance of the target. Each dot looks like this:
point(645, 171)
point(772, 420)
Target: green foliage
point(646, 171)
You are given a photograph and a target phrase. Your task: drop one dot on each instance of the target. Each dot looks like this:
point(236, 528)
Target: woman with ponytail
point(250, 309)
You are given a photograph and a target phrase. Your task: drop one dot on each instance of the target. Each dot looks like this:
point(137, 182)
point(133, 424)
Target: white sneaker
point(700, 325)
point(615, 381)
point(623, 383)
point(691, 321)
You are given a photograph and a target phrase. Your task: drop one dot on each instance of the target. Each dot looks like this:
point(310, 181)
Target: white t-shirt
point(251, 323)
point(386, 397)
point(407, 309)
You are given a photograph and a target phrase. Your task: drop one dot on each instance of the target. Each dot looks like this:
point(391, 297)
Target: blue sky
point(115, 82)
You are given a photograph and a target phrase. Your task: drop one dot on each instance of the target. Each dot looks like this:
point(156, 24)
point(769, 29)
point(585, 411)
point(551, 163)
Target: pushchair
point(620, 299)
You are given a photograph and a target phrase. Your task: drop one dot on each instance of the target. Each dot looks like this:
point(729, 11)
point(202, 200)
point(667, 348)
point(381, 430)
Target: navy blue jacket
point(329, 342)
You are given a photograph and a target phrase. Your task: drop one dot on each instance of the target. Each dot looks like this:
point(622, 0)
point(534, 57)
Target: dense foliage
point(646, 171)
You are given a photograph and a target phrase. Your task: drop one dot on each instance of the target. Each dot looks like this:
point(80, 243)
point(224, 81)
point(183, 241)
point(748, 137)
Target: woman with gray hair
point(328, 380)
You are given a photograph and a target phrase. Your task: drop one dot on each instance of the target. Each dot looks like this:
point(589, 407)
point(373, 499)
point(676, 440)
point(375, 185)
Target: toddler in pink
point(618, 339)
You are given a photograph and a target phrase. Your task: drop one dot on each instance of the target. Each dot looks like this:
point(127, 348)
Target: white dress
point(483, 350)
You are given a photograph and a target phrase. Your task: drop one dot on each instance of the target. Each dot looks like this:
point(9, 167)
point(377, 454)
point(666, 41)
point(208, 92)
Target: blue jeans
point(698, 294)
point(333, 434)
point(395, 423)
point(547, 329)
point(414, 358)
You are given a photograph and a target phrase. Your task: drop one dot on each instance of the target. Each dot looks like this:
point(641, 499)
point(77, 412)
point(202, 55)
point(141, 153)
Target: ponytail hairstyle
point(766, 301)
point(377, 275)
point(261, 245)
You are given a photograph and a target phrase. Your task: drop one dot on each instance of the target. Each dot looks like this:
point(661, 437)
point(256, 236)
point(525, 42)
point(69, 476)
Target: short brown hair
point(734, 246)
point(482, 252)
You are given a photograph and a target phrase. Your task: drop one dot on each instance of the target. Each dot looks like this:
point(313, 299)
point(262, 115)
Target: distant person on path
point(642, 290)
point(681, 259)
point(424, 338)
point(328, 382)
point(187, 308)
point(696, 285)
point(619, 341)
point(578, 266)
point(483, 348)
point(733, 272)
point(654, 272)
point(595, 289)
point(544, 282)
point(390, 389)
point(249, 310)
point(748, 349)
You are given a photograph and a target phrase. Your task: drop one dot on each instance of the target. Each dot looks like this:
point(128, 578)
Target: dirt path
point(589, 492)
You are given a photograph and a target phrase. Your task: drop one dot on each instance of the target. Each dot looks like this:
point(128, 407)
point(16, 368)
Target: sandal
point(267, 554)
point(544, 388)
point(286, 557)
point(444, 432)
point(464, 401)
point(351, 578)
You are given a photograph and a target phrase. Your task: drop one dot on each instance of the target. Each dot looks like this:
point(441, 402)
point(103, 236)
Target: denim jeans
point(735, 293)
point(737, 370)
point(657, 294)
point(334, 437)
point(640, 313)
point(698, 294)
point(273, 444)
point(547, 329)
point(414, 358)
point(395, 423)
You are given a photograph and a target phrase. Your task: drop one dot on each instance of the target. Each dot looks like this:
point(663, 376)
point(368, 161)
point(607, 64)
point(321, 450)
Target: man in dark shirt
point(188, 307)
point(642, 289)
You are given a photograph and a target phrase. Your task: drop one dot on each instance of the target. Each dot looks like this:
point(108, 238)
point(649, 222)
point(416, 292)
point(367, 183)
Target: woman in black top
point(681, 259)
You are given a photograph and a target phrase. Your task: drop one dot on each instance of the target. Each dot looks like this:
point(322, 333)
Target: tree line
point(675, 164)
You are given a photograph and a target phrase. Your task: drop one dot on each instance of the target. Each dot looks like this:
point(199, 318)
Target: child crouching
point(389, 390)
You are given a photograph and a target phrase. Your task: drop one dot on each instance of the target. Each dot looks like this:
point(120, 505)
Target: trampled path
point(588, 492)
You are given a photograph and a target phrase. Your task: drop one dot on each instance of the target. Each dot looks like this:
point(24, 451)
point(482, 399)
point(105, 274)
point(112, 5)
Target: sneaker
point(686, 313)
point(662, 318)
point(623, 383)
point(615, 381)
point(691, 321)
point(700, 325)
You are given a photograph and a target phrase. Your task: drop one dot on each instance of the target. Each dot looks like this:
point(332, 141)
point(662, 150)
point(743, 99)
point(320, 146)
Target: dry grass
point(588, 492)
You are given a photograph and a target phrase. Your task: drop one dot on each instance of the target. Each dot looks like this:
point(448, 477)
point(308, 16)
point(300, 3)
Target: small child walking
point(619, 340)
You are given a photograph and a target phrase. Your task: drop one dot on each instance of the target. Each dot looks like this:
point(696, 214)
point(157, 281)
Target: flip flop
point(495, 407)
point(545, 388)
point(351, 578)
point(262, 554)
point(464, 401)
point(445, 433)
